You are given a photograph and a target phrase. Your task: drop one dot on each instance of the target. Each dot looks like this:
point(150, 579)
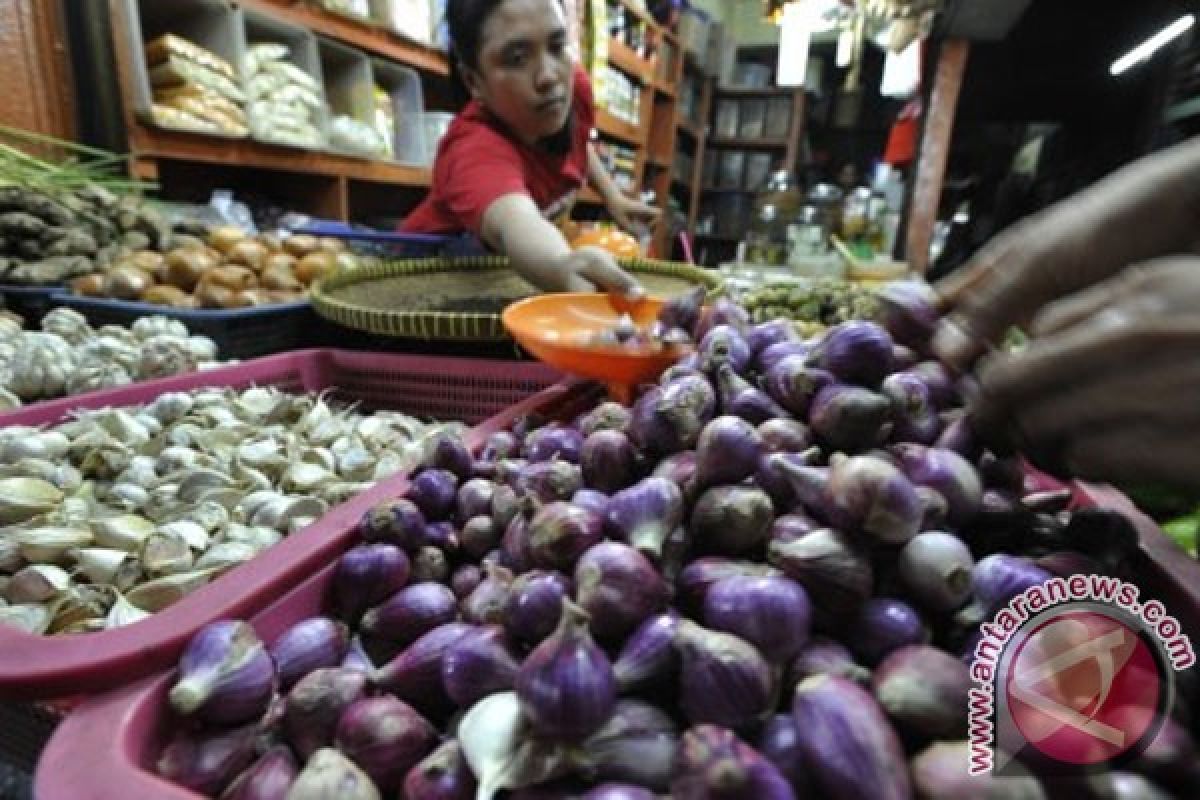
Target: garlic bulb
point(202, 348)
point(9, 328)
point(8, 400)
point(97, 375)
point(109, 350)
point(67, 323)
point(40, 366)
point(163, 356)
point(146, 328)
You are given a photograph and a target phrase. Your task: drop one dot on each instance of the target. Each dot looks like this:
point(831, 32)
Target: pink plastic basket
point(107, 749)
point(35, 667)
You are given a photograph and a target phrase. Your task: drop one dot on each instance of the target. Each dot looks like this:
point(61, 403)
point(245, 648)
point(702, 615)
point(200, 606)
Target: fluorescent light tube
point(1149, 47)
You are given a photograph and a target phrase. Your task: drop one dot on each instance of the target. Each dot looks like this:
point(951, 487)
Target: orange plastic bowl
point(619, 243)
point(555, 327)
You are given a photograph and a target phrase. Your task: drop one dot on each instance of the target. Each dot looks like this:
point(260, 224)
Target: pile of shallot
point(763, 580)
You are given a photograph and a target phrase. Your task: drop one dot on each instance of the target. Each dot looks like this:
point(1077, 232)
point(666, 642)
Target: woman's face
point(524, 74)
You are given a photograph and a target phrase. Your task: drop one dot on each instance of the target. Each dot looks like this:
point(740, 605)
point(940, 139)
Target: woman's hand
point(633, 216)
point(1146, 210)
point(590, 269)
point(1109, 386)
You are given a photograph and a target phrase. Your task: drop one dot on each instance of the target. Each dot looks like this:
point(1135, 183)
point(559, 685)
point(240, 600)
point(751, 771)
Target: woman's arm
point(537, 250)
point(626, 211)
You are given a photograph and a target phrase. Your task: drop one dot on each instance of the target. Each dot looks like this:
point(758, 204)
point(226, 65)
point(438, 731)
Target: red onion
point(999, 578)
point(946, 472)
point(549, 481)
point(443, 536)
point(885, 624)
point(721, 311)
point(851, 750)
point(723, 679)
point(687, 367)
point(648, 655)
point(784, 435)
point(397, 522)
point(566, 685)
point(713, 764)
point(741, 398)
point(903, 357)
point(385, 737)
point(415, 675)
point(679, 468)
point(485, 605)
point(683, 310)
point(941, 771)
point(534, 605)
point(850, 419)
point(553, 442)
point(732, 520)
point(475, 499)
point(505, 506)
point(727, 451)
point(940, 383)
point(772, 356)
point(765, 334)
point(913, 413)
point(592, 500)
point(779, 743)
point(478, 536)
point(356, 658)
point(935, 570)
point(269, 778)
point(411, 612)
point(909, 311)
point(793, 384)
point(857, 351)
point(823, 656)
point(637, 744)
point(773, 614)
point(832, 567)
point(444, 450)
point(609, 461)
point(618, 588)
point(723, 346)
point(477, 664)
point(433, 491)
point(645, 514)
point(309, 644)
point(697, 578)
point(669, 419)
point(315, 705)
point(207, 761)
point(792, 526)
point(441, 775)
point(225, 675)
point(868, 495)
point(925, 691)
point(500, 445)
point(515, 545)
point(607, 416)
point(559, 533)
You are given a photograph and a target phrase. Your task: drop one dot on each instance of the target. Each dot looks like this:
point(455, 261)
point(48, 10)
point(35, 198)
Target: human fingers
point(1135, 453)
point(599, 267)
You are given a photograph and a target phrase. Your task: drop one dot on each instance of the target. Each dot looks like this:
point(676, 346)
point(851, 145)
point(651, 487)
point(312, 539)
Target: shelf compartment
point(264, 28)
point(623, 57)
point(748, 144)
point(618, 128)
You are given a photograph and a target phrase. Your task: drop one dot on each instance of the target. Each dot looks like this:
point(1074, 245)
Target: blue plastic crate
point(31, 302)
point(239, 333)
point(394, 244)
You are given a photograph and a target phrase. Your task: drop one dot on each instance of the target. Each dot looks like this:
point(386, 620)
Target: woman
point(517, 154)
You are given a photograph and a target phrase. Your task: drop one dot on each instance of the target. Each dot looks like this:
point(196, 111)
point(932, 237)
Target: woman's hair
point(464, 24)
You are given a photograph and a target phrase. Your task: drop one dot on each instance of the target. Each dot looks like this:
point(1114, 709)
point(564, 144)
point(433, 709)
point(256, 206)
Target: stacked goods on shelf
point(227, 269)
point(120, 512)
point(69, 357)
point(722, 591)
point(384, 119)
point(194, 88)
point(621, 162)
point(285, 102)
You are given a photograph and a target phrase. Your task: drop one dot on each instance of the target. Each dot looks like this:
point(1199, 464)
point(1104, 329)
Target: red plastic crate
point(107, 749)
point(37, 667)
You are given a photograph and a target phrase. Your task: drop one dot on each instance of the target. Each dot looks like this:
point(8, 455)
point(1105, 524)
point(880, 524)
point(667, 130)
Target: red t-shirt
point(478, 162)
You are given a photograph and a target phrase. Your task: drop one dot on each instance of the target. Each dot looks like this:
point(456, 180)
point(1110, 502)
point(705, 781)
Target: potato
point(127, 283)
point(331, 245)
point(301, 244)
point(284, 296)
point(185, 267)
point(150, 261)
point(315, 266)
point(226, 237)
point(280, 261)
point(164, 295)
point(211, 295)
point(250, 297)
point(232, 277)
point(280, 278)
point(89, 285)
point(248, 253)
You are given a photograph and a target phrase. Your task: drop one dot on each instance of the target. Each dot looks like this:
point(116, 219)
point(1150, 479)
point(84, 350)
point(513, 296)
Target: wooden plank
point(39, 92)
point(371, 38)
point(934, 151)
point(618, 128)
point(625, 59)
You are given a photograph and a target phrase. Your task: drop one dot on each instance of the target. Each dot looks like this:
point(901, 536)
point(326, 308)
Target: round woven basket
point(459, 299)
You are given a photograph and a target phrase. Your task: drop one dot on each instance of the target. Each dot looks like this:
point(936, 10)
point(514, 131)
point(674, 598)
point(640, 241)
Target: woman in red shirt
point(517, 154)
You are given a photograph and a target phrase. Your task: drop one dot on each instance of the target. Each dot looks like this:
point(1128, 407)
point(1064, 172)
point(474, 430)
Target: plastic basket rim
point(488, 326)
point(198, 314)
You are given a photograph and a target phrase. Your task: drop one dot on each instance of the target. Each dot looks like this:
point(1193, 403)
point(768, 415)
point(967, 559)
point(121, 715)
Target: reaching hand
point(1107, 388)
point(590, 269)
point(633, 216)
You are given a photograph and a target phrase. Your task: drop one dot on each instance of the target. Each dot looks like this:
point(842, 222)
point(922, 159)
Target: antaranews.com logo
point(1073, 674)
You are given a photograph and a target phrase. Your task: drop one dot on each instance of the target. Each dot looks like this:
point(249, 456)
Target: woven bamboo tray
point(459, 299)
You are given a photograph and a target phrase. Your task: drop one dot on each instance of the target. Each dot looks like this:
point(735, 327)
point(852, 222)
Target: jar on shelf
point(856, 215)
point(827, 199)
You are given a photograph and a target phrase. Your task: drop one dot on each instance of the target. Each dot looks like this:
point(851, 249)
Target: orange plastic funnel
point(557, 329)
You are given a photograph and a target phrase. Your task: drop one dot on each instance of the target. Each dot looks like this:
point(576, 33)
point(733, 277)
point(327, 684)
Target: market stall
point(298, 500)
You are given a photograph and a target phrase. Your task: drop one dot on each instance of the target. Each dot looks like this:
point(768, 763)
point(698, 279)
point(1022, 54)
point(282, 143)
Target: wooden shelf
point(765, 91)
point(358, 33)
point(663, 89)
point(625, 59)
point(653, 160)
point(618, 128)
point(688, 127)
point(150, 145)
point(748, 144)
